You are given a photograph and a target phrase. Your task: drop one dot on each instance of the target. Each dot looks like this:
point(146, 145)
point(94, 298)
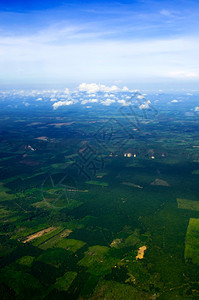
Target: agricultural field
point(192, 242)
point(188, 204)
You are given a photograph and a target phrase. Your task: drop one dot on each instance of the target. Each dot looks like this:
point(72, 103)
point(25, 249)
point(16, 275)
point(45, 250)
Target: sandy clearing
point(66, 233)
point(42, 138)
point(133, 185)
point(141, 252)
point(160, 182)
point(37, 234)
point(115, 243)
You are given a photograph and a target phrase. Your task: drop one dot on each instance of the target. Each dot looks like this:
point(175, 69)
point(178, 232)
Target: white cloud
point(196, 108)
point(140, 97)
point(123, 102)
point(94, 88)
point(66, 91)
point(108, 101)
point(145, 105)
point(125, 89)
point(39, 99)
point(93, 100)
point(89, 101)
point(62, 103)
point(85, 95)
point(84, 102)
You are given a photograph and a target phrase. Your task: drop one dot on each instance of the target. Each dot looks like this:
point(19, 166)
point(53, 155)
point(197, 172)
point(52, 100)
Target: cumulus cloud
point(62, 103)
point(89, 93)
point(66, 91)
point(123, 102)
point(140, 97)
point(39, 99)
point(145, 105)
point(108, 101)
point(93, 100)
point(89, 101)
point(125, 89)
point(196, 108)
point(94, 88)
point(174, 101)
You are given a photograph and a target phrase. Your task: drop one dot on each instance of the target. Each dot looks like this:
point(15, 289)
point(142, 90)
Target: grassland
point(114, 290)
point(95, 182)
point(58, 204)
point(54, 257)
point(47, 236)
point(192, 242)
point(97, 260)
point(56, 238)
point(188, 204)
point(38, 234)
point(63, 283)
point(130, 241)
point(26, 261)
point(4, 194)
point(195, 172)
point(70, 244)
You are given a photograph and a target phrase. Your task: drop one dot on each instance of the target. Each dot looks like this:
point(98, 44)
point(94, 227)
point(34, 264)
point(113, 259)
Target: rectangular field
point(188, 204)
point(192, 242)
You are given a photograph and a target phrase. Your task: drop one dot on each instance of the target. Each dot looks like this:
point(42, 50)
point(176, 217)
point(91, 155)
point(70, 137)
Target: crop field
point(192, 241)
point(188, 204)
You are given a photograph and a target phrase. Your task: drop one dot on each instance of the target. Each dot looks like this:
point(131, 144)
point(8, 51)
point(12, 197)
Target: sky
point(134, 43)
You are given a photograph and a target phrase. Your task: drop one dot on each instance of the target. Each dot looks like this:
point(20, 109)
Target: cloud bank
point(100, 94)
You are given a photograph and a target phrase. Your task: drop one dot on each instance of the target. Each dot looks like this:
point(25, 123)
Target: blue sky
point(99, 41)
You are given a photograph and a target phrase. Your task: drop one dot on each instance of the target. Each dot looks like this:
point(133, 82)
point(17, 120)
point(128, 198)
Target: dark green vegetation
point(75, 210)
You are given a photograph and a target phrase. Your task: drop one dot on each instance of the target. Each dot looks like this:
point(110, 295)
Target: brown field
point(37, 234)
